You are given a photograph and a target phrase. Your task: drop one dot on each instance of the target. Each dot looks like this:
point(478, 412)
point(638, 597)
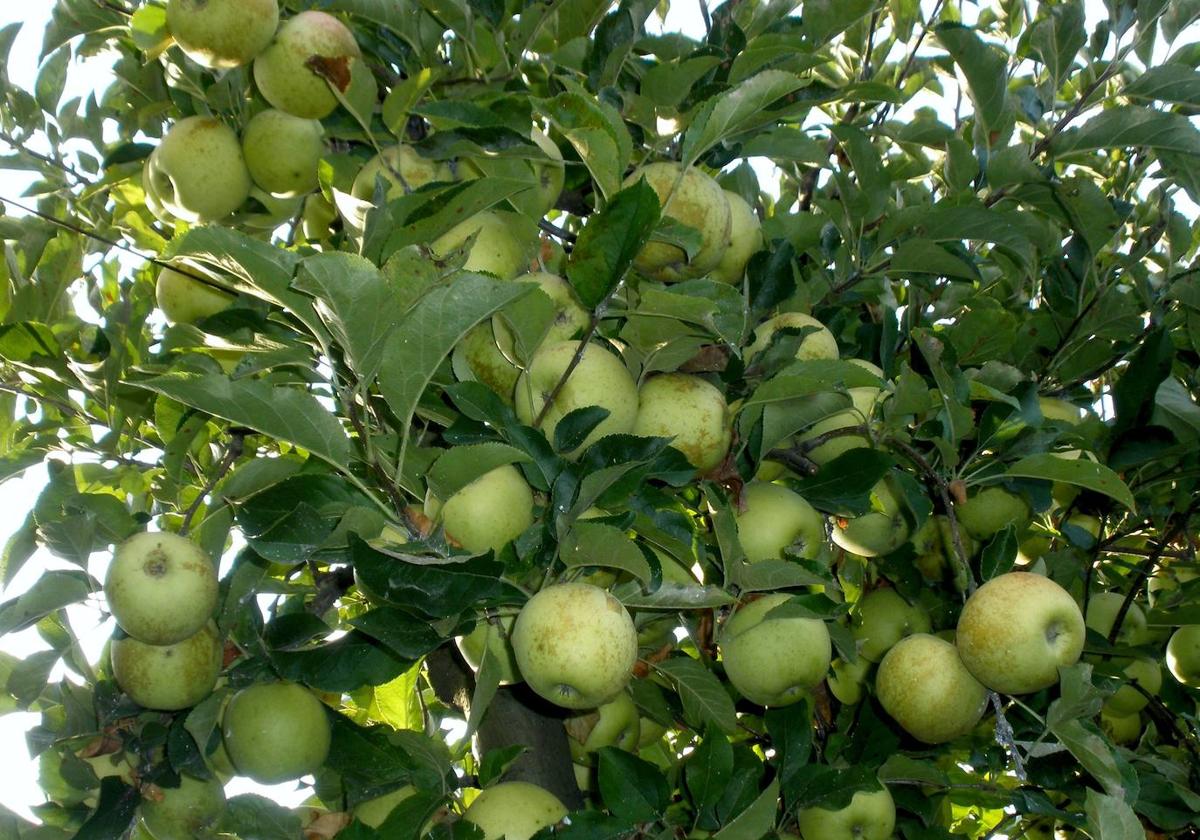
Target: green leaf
point(1111, 818)
point(999, 554)
point(429, 331)
point(985, 68)
point(1080, 472)
point(824, 19)
point(610, 241)
point(52, 78)
point(400, 100)
point(1094, 754)
point(461, 465)
point(1131, 125)
point(255, 817)
point(597, 544)
point(632, 789)
point(757, 820)
point(705, 700)
point(921, 256)
point(668, 84)
point(359, 307)
point(51, 592)
point(345, 664)
point(596, 131)
point(423, 216)
point(707, 770)
point(283, 413)
point(1170, 83)
point(737, 110)
point(791, 733)
point(1057, 39)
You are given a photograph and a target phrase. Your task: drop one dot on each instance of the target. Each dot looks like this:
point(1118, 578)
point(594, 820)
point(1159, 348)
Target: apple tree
point(496, 417)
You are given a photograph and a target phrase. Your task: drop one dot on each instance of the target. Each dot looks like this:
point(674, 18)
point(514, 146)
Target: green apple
point(575, 644)
point(1168, 578)
point(934, 547)
point(496, 638)
point(1060, 410)
point(649, 732)
point(1183, 655)
point(318, 216)
point(989, 510)
point(1017, 630)
point(877, 532)
point(282, 152)
point(864, 400)
point(1121, 729)
point(373, 812)
point(871, 815)
point(745, 240)
point(186, 300)
point(846, 680)
point(160, 587)
point(691, 198)
point(187, 812)
point(613, 724)
point(773, 519)
point(494, 248)
point(168, 677)
point(514, 811)
point(1033, 547)
point(276, 732)
point(600, 379)
point(488, 513)
point(1102, 612)
point(690, 410)
point(222, 33)
point(774, 661)
point(198, 172)
point(923, 684)
point(1126, 700)
point(818, 342)
point(881, 618)
point(403, 170)
point(1090, 525)
point(282, 72)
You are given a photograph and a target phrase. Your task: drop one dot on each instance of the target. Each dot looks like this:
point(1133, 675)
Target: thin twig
point(1006, 737)
point(554, 230)
point(80, 180)
point(707, 17)
point(233, 451)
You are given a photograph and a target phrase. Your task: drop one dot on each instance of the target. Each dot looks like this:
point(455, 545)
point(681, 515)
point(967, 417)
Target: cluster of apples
point(168, 655)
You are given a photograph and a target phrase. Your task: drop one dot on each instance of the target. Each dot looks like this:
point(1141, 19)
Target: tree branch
point(237, 441)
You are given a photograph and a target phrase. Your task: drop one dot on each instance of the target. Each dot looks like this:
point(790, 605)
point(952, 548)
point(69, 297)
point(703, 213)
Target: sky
point(18, 772)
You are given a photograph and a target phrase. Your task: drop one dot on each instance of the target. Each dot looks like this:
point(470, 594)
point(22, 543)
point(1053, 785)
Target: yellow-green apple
point(879, 531)
point(1017, 630)
point(276, 732)
point(774, 661)
point(514, 811)
point(818, 342)
point(222, 33)
point(186, 812)
point(881, 618)
point(1102, 612)
point(575, 644)
point(864, 400)
point(600, 379)
point(403, 170)
point(1183, 655)
point(198, 172)
point(488, 513)
point(745, 239)
point(548, 172)
point(1121, 729)
point(990, 510)
point(613, 724)
point(160, 587)
point(488, 350)
point(923, 684)
point(168, 677)
point(494, 246)
point(283, 73)
point(186, 300)
point(688, 409)
point(282, 152)
point(871, 815)
point(496, 637)
point(373, 812)
point(692, 198)
point(775, 518)
point(846, 679)
point(1147, 673)
point(319, 214)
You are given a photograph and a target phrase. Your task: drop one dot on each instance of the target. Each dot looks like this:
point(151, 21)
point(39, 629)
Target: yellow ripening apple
point(923, 684)
point(745, 240)
point(817, 343)
point(160, 587)
point(776, 518)
point(168, 677)
point(514, 810)
point(881, 530)
point(1017, 630)
point(881, 618)
point(691, 198)
point(198, 172)
point(402, 168)
point(864, 400)
point(1101, 615)
point(871, 815)
point(282, 152)
point(689, 409)
point(495, 247)
point(612, 724)
point(1183, 655)
point(488, 513)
